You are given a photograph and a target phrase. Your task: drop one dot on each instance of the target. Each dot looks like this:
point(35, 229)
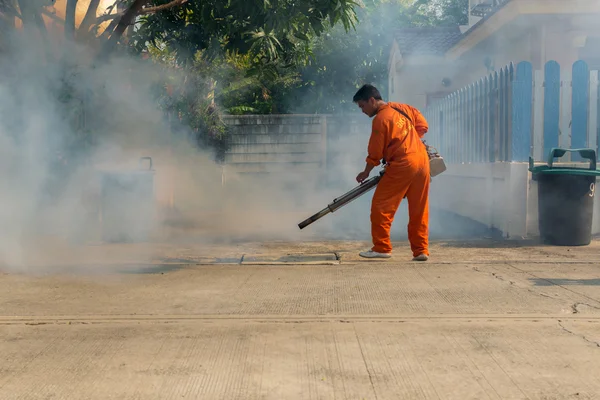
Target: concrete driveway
point(480, 320)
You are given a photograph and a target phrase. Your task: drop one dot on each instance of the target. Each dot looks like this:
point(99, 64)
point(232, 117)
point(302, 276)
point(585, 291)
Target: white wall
point(495, 195)
point(422, 75)
point(414, 81)
point(499, 195)
point(525, 39)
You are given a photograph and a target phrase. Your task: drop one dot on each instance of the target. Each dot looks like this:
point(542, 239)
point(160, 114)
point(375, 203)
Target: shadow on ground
point(445, 225)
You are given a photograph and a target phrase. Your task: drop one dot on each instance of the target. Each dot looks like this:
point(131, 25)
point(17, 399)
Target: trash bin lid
point(558, 152)
point(546, 170)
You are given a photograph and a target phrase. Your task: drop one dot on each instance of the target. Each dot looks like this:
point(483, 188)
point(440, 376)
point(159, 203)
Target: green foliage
point(343, 61)
point(211, 130)
point(323, 74)
point(237, 55)
point(268, 30)
point(198, 94)
point(442, 12)
point(265, 57)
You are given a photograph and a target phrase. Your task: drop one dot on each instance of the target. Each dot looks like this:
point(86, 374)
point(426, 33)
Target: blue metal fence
point(497, 117)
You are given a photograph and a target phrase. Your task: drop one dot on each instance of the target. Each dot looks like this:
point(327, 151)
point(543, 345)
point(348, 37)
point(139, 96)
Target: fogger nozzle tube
point(343, 200)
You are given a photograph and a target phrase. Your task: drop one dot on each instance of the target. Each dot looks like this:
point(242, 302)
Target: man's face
point(368, 107)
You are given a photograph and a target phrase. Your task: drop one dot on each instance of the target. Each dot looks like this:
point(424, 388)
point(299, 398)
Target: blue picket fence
point(515, 113)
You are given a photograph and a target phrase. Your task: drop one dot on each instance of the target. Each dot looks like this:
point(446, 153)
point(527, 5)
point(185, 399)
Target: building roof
point(427, 40)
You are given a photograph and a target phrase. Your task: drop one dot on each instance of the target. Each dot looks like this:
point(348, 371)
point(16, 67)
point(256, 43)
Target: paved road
point(481, 320)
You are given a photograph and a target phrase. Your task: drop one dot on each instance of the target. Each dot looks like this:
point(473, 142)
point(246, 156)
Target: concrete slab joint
point(292, 259)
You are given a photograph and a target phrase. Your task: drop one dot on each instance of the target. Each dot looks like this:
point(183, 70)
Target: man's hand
point(362, 176)
point(365, 174)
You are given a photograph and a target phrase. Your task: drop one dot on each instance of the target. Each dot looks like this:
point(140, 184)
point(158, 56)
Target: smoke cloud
point(73, 172)
point(66, 125)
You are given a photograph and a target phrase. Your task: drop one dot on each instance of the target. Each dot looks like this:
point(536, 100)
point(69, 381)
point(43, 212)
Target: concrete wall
point(267, 143)
point(295, 143)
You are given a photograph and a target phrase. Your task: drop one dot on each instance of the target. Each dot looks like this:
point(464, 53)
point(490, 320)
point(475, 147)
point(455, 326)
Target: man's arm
point(376, 143)
point(374, 149)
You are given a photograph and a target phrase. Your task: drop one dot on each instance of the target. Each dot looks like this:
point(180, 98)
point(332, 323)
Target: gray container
point(128, 204)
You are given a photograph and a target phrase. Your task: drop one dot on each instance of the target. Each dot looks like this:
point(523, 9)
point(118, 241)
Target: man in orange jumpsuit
point(397, 140)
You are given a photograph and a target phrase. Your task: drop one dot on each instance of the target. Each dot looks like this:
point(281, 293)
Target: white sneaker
point(374, 254)
point(421, 257)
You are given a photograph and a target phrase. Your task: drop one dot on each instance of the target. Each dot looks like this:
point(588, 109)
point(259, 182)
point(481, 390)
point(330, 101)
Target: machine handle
point(146, 158)
point(558, 152)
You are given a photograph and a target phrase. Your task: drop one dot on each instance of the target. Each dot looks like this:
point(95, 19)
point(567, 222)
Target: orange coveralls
point(398, 142)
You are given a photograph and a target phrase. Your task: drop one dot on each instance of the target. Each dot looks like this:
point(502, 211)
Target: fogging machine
point(437, 166)
point(343, 200)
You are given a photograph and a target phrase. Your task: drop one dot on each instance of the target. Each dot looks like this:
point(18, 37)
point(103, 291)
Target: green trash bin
point(566, 199)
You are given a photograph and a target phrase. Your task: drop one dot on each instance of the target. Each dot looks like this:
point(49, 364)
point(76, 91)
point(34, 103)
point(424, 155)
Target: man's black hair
point(366, 92)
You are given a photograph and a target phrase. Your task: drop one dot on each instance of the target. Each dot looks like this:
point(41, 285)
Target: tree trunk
point(89, 18)
point(123, 23)
point(70, 19)
point(27, 14)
